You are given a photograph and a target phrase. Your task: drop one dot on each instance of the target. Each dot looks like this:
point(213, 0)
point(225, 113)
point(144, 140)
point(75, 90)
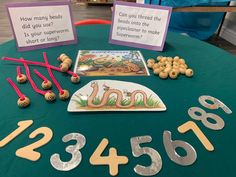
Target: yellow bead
point(181, 61)
point(68, 62)
point(23, 102)
point(50, 96)
point(156, 65)
point(176, 70)
point(163, 75)
point(64, 67)
point(167, 70)
point(75, 79)
point(159, 58)
point(176, 58)
point(189, 72)
point(173, 74)
point(150, 65)
point(64, 95)
point(151, 60)
point(46, 84)
point(21, 78)
point(182, 70)
point(157, 71)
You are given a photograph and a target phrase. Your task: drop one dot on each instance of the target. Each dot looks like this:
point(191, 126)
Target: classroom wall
point(228, 31)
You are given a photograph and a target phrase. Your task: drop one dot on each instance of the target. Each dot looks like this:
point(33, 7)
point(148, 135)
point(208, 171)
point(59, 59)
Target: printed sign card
point(140, 25)
point(42, 24)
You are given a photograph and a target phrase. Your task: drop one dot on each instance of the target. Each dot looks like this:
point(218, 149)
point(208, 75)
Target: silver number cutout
point(216, 103)
point(171, 145)
point(204, 116)
point(137, 151)
point(73, 150)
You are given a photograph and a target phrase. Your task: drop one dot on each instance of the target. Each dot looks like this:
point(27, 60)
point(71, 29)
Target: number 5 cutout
point(137, 151)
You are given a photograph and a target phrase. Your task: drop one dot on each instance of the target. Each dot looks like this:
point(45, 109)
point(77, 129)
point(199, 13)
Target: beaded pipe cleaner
point(49, 95)
point(23, 101)
point(63, 94)
point(74, 77)
point(46, 84)
point(21, 78)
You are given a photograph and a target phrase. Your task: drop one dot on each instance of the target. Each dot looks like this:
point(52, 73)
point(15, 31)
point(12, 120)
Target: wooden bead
point(75, 79)
point(21, 78)
point(50, 96)
point(156, 65)
point(157, 71)
point(173, 74)
point(170, 59)
point(63, 57)
point(64, 67)
point(68, 61)
point(167, 70)
point(163, 59)
point(176, 70)
point(176, 58)
point(151, 60)
point(159, 58)
point(64, 95)
point(183, 66)
point(181, 61)
point(150, 65)
point(182, 70)
point(163, 75)
point(189, 72)
point(46, 84)
point(23, 102)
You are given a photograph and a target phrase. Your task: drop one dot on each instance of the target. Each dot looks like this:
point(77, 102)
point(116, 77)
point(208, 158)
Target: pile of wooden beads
point(66, 62)
point(169, 67)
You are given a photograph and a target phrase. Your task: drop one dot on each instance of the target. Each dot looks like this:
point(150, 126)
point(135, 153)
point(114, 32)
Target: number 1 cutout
point(23, 125)
point(112, 159)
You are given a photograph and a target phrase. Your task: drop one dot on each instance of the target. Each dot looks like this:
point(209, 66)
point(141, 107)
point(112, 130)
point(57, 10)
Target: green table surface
point(215, 73)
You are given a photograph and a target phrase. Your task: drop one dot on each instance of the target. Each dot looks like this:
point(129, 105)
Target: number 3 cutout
point(58, 164)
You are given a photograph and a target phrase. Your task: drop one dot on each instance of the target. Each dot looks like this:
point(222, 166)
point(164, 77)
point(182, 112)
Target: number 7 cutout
point(113, 160)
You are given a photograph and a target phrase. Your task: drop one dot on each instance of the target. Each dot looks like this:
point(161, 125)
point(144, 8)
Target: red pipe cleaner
point(51, 75)
point(40, 75)
point(18, 71)
point(37, 63)
point(31, 80)
point(18, 92)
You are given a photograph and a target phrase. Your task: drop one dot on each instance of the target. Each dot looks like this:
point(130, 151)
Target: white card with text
point(42, 24)
point(140, 25)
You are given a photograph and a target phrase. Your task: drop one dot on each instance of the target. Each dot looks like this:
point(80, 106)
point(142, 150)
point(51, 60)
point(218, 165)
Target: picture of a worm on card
point(110, 63)
point(113, 95)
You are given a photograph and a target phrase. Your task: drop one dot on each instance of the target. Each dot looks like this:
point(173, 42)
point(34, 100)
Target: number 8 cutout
point(204, 116)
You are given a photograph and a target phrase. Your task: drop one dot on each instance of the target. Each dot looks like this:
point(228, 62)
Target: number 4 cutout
point(113, 160)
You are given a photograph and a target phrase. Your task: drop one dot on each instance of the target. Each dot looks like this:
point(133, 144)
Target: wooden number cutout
point(190, 125)
point(23, 125)
point(28, 152)
point(112, 159)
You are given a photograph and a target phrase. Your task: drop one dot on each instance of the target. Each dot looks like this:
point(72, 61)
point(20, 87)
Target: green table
point(215, 71)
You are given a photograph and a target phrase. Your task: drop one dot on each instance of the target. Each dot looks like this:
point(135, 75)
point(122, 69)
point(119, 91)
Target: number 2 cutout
point(28, 152)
